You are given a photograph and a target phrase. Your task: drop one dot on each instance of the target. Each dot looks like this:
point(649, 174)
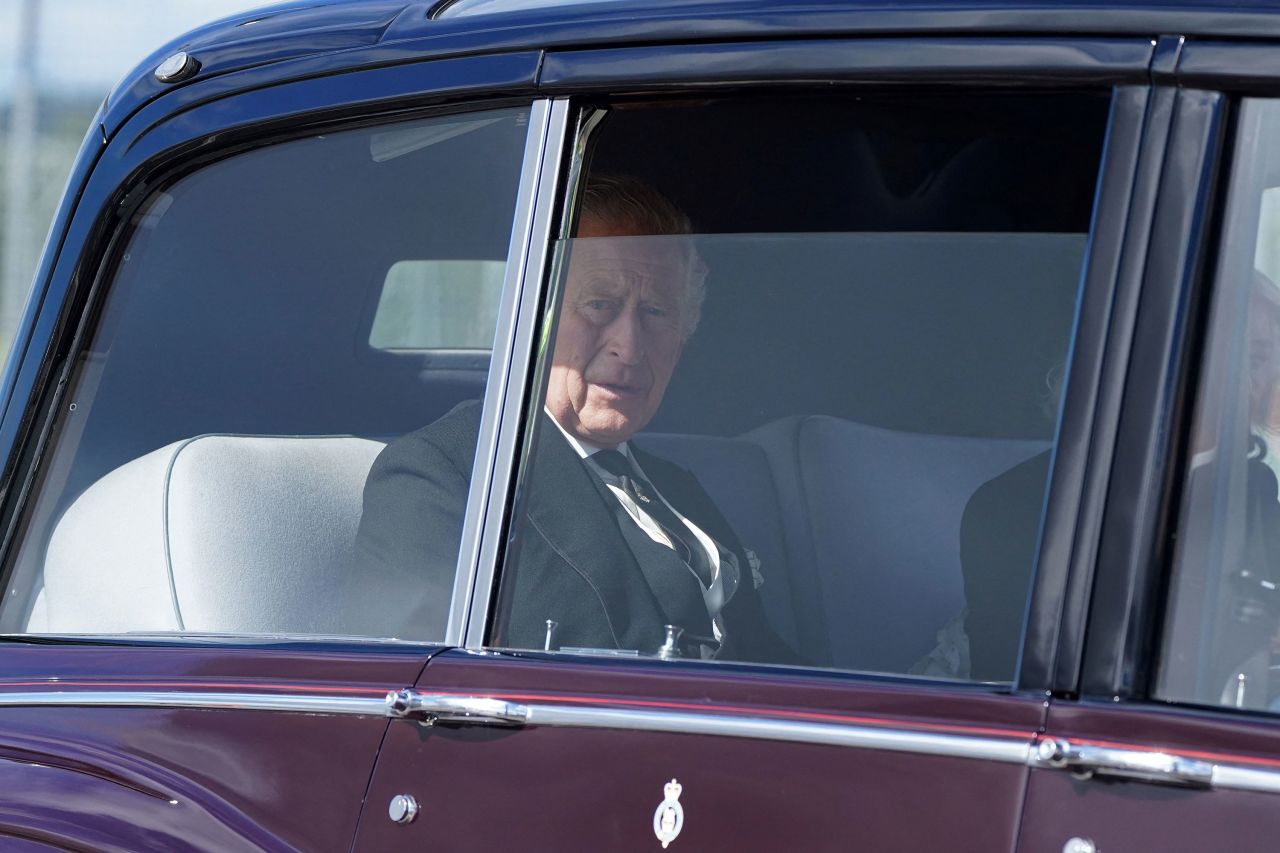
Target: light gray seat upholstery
point(858, 527)
point(217, 533)
point(883, 511)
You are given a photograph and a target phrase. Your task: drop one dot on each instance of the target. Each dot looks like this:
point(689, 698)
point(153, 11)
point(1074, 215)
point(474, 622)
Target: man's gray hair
point(634, 206)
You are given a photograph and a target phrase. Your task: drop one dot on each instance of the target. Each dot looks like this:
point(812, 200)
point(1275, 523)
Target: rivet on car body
point(177, 68)
point(403, 808)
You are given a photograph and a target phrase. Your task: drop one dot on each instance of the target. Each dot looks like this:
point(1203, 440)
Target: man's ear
point(689, 324)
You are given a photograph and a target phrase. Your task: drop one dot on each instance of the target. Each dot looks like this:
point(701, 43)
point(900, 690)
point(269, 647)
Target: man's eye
point(655, 311)
point(598, 305)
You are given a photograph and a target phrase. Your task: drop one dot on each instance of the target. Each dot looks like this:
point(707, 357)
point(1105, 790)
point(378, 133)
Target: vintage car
point(948, 334)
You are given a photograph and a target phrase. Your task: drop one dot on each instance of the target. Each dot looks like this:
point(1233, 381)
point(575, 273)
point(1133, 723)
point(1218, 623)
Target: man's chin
point(615, 428)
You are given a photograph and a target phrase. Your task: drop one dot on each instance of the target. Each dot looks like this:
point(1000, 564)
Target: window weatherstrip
point(508, 366)
point(505, 398)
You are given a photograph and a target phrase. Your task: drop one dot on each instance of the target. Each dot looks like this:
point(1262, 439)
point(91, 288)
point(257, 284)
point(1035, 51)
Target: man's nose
point(625, 339)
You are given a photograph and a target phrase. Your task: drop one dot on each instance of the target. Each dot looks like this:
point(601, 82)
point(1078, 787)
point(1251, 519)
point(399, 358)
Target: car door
point(903, 306)
point(1163, 736)
point(259, 281)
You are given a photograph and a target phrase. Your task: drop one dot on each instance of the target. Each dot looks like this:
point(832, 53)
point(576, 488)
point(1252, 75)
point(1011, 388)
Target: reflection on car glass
point(231, 380)
point(1222, 641)
point(390, 144)
point(1248, 638)
point(858, 333)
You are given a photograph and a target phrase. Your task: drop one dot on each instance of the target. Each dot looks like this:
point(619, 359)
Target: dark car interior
point(891, 291)
point(913, 310)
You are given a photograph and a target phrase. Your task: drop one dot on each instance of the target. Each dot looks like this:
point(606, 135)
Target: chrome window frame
point(507, 389)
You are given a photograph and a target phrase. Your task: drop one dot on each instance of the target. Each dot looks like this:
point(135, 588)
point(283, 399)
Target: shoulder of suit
point(453, 434)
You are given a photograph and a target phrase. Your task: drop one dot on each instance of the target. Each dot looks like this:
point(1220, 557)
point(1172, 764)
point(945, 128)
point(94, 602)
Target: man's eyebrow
point(660, 298)
point(603, 284)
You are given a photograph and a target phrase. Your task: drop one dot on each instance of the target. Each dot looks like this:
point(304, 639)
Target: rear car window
point(438, 304)
point(270, 323)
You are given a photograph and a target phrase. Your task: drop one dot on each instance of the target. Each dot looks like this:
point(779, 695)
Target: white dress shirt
point(724, 566)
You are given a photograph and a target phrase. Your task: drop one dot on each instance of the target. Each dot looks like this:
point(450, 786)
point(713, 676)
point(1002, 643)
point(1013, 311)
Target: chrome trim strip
point(1007, 751)
point(501, 362)
point(454, 709)
point(1236, 778)
point(759, 728)
point(226, 701)
point(473, 613)
point(587, 125)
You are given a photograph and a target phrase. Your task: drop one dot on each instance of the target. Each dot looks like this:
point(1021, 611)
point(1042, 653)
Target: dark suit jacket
point(998, 537)
point(568, 559)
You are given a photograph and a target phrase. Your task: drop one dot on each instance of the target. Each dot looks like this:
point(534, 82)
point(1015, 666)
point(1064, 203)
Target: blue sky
point(87, 45)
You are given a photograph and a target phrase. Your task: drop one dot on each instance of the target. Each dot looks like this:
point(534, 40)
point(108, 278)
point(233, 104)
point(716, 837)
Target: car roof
point(353, 33)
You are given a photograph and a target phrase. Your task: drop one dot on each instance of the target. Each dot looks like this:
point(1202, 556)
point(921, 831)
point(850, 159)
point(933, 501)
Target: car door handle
point(1148, 766)
point(431, 708)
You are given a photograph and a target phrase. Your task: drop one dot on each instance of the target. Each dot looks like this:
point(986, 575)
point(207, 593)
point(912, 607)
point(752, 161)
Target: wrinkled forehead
point(630, 260)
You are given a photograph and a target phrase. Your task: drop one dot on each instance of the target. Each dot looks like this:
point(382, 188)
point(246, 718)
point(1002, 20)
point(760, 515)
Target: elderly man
point(611, 544)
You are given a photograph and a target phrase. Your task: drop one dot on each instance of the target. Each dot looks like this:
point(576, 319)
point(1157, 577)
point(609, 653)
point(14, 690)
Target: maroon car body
point(914, 213)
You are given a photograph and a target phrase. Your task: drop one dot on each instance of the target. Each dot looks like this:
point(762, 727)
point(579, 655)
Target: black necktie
point(686, 545)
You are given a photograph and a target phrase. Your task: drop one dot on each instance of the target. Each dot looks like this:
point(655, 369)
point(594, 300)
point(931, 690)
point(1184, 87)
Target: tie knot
point(614, 462)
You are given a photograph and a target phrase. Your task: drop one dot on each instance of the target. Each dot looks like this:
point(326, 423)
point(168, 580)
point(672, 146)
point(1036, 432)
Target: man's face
point(620, 333)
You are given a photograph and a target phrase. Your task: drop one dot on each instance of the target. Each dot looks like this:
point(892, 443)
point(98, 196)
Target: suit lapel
point(744, 619)
point(575, 511)
point(677, 591)
point(682, 489)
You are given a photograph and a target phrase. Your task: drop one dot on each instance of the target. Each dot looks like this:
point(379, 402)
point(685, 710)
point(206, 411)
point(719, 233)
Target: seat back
point(857, 530)
point(884, 511)
point(218, 533)
point(857, 527)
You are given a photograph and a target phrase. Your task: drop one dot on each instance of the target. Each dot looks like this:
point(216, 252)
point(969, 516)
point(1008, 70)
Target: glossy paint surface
point(597, 789)
point(1142, 817)
point(902, 60)
point(109, 778)
point(167, 779)
point(304, 38)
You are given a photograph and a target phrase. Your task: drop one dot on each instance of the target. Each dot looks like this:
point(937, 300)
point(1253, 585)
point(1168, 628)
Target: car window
point(801, 383)
point(266, 331)
point(440, 305)
point(1223, 630)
